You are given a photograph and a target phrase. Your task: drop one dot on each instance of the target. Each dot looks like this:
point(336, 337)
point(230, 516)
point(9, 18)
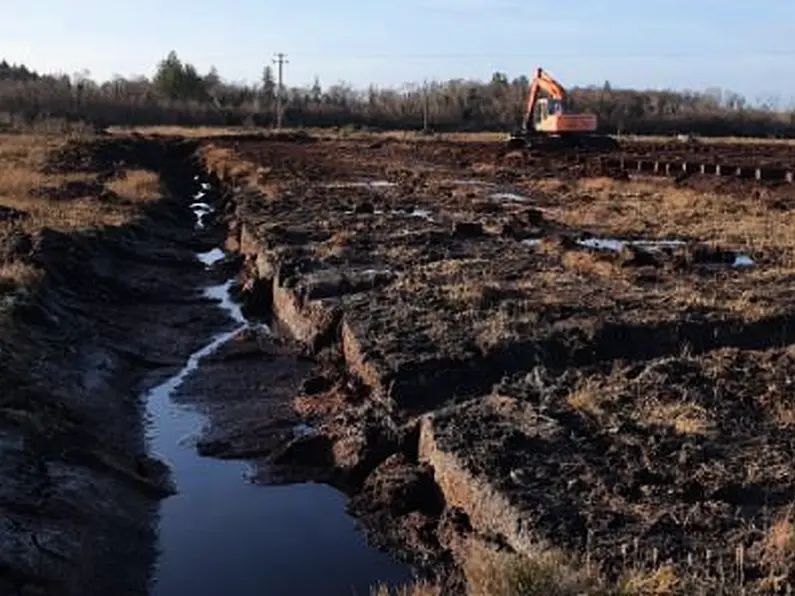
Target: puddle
point(303, 430)
point(200, 210)
point(421, 213)
point(211, 257)
point(223, 295)
point(362, 184)
point(417, 212)
point(616, 245)
point(221, 534)
point(472, 183)
point(742, 260)
point(374, 212)
point(509, 196)
point(613, 244)
point(425, 214)
point(384, 271)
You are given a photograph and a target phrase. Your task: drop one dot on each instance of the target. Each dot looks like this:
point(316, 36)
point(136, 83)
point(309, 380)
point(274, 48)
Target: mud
point(562, 388)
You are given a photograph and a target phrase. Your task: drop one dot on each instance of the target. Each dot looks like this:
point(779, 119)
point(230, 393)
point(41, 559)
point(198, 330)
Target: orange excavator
point(548, 123)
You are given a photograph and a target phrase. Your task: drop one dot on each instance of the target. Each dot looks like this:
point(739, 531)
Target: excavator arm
point(541, 82)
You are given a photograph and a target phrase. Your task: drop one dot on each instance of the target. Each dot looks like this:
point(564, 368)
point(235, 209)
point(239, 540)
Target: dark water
point(221, 535)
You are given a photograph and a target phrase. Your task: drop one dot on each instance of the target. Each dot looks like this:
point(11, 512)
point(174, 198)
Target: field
point(530, 374)
point(544, 355)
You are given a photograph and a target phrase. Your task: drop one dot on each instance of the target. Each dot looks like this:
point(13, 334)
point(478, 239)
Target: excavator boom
point(542, 82)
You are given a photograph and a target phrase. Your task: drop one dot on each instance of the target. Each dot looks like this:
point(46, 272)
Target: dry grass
point(333, 133)
point(18, 272)
point(481, 137)
point(779, 542)
point(228, 166)
point(614, 208)
point(657, 139)
point(17, 275)
point(659, 582)
point(337, 246)
point(552, 573)
point(589, 263)
point(137, 185)
point(464, 296)
point(21, 160)
point(784, 414)
point(589, 398)
point(16, 180)
point(683, 417)
point(417, 589)
point(43, 200)
point(182, 131)
point(497, 329)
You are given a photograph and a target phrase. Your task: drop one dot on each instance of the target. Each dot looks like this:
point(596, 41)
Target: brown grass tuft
point(337, 245)
point(21, 178)
point(229, 167)
point(17, 274)
point(588, 398)
point(589, 263)
point(685, 418)
point(417, 589)
point(659, 582)
point(548, 572)
point(632, 209)
point(779, 542)
point(137, 185)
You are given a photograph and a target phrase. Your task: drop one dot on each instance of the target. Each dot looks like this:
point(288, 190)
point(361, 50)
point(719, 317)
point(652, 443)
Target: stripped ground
point(491, 378)
point(98, 288)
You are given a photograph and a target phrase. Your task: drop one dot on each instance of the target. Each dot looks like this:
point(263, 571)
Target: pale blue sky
point(747, 46)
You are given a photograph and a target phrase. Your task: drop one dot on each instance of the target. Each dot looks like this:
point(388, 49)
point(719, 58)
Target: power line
point(281, 61)
point(499, 55)
point(712, 53)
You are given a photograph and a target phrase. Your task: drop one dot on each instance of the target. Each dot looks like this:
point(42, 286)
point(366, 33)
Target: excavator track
point(543, 144)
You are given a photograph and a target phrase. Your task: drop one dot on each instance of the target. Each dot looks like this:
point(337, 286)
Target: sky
point(747, 47)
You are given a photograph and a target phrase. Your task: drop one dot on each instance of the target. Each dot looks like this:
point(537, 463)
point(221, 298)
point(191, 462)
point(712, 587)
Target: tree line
point(178, 94)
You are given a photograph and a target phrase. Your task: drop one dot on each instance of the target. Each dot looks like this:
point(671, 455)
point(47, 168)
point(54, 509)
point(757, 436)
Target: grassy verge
point(413, 135)
point(36, 192)
point(552, 573)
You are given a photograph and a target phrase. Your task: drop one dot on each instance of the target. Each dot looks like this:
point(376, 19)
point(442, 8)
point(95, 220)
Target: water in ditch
point(223, 535)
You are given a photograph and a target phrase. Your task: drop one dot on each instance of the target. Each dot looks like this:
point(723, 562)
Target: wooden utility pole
point(281, 61)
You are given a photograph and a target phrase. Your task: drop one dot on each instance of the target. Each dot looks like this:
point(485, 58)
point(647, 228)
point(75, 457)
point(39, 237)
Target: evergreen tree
point(268, 85)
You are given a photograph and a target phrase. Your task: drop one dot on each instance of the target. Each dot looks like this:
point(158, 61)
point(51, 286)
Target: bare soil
point(481, 374)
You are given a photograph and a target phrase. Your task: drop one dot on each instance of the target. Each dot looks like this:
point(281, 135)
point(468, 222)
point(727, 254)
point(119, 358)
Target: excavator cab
point(541, 112)
point(546, 108)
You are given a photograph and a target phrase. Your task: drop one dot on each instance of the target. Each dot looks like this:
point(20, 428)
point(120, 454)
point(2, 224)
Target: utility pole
point(281, 61)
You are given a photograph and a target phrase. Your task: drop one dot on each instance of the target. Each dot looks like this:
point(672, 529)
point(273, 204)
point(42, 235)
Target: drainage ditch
point(222, 533)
